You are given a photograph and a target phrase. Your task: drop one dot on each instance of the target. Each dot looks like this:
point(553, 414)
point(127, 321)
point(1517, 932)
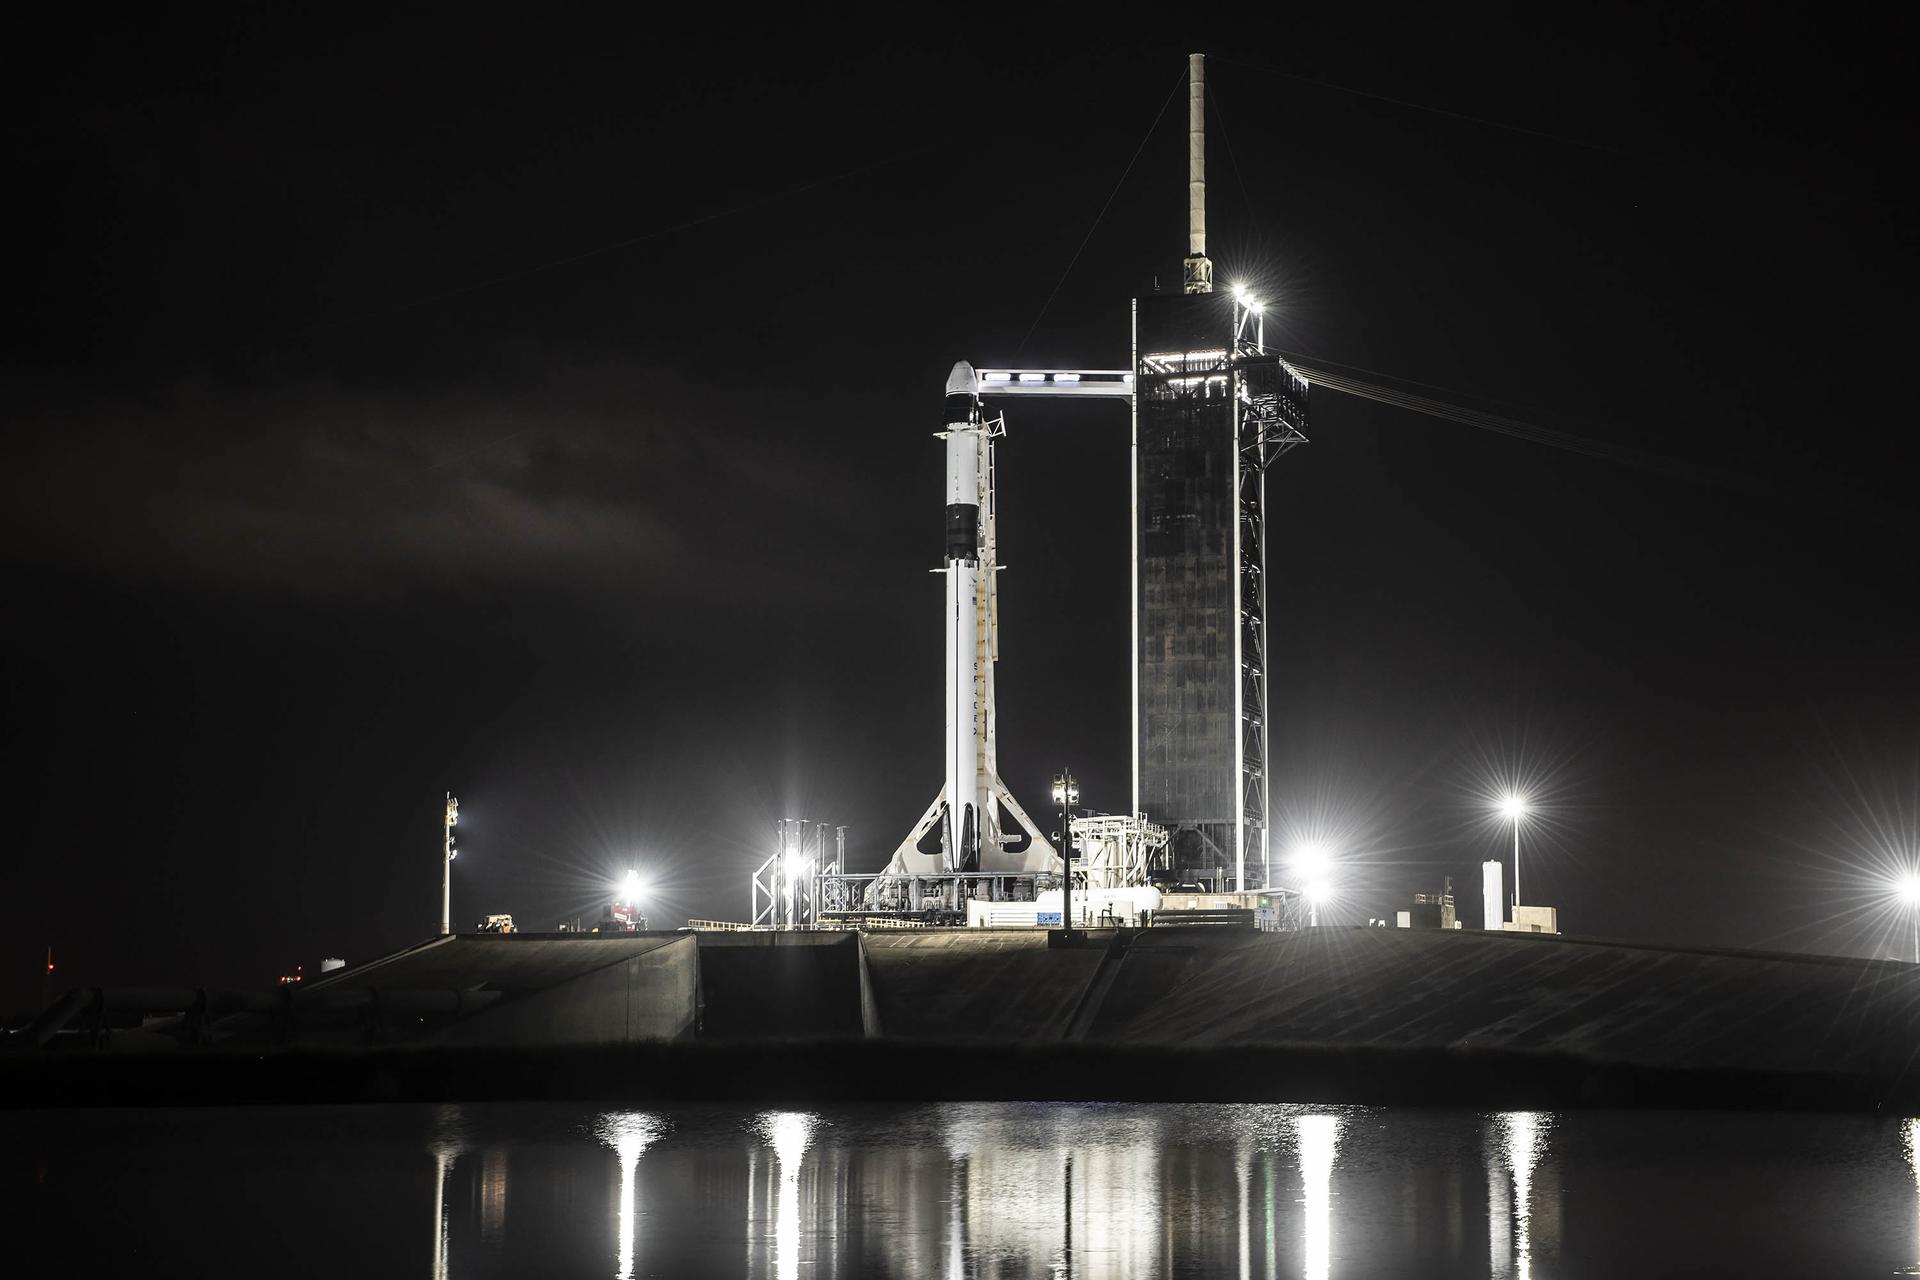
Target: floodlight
point(1310, 860)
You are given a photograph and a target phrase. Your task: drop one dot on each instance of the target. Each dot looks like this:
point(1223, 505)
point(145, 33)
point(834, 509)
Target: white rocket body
point(961, 830)
point(968, 780)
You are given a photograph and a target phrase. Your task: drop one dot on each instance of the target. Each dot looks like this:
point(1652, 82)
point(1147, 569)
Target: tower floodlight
point(1066, 794)
point(1907, 889)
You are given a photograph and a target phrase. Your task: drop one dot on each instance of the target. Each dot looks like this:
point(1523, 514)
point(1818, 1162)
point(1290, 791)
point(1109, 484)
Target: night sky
point(545, 413)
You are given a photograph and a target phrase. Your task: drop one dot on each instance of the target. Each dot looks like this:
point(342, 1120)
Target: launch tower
point(1212, 410)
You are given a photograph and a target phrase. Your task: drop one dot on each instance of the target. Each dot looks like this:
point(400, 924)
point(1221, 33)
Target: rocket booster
point(968, 787)
point(964, 818)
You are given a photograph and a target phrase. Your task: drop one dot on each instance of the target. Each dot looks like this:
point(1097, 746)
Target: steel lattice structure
point(1213, 409)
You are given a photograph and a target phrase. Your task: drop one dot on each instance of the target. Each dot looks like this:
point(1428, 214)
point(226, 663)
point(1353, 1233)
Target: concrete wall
point(1660, 1006)
point(1193, 987)
point(977, 984)
point(651, 996)
point(1535, 920)
point(869, 1006)
point(783, 986)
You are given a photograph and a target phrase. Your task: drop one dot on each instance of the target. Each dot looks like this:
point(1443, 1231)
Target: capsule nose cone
point(963, 381)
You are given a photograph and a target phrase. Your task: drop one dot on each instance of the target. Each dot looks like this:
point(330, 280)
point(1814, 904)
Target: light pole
point(1909, 890)
point(1514, 808)
point(796, 869)
point(1311, 865)
point(630, 893)
point(1066, 794)
point(446, 866)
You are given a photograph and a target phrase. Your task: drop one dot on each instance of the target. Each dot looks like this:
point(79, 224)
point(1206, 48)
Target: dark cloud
point(560, 470)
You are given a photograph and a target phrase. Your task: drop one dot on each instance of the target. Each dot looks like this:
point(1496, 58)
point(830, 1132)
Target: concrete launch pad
point(1190, 988)
point(1167, 1013)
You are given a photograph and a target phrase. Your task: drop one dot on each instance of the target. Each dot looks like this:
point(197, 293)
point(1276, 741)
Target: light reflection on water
point(978, 1190)
point(447, 1144)
point(1514, 1147)
point(628, 1133)
point(788, 1133)
point(1910, 1140)
point(1319, 1140)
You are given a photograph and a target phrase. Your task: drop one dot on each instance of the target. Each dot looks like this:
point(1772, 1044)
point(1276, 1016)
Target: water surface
point(961, 1190)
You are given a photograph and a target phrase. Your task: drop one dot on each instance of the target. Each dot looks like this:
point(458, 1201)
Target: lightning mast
point(1198, 273)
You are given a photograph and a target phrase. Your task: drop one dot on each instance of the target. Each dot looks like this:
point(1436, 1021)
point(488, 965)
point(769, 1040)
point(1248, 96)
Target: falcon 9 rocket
point(961, 830)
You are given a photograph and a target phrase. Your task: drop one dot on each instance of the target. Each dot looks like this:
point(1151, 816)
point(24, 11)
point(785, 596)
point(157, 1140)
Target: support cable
point(1045, 306)
point(1319, 375)
point(1855, 504)
point(1233, 157)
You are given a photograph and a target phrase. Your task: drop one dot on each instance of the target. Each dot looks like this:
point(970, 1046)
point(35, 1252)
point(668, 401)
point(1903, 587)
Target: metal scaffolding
point(941, 898)
point(786, 887)
point(1117, 851)
point(1271, 408)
